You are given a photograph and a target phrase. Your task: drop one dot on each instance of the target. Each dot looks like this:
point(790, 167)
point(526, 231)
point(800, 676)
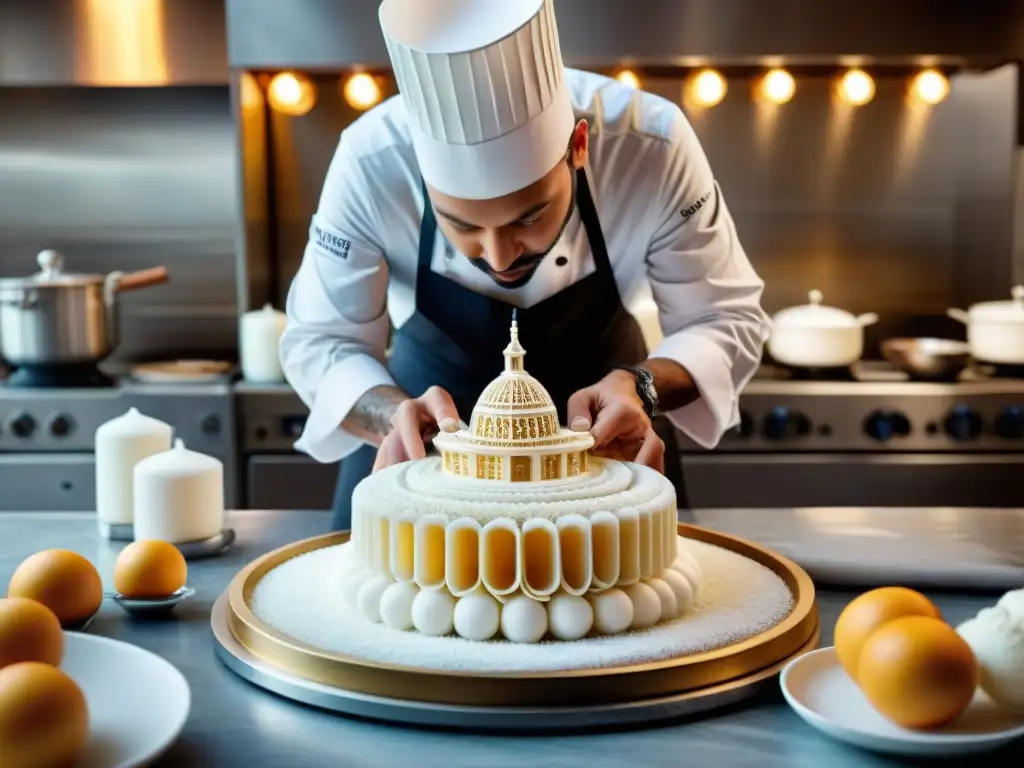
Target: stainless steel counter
point(235, 724)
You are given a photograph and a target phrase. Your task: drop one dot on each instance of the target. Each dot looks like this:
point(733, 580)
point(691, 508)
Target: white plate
point(817, 687)
point(138, 703)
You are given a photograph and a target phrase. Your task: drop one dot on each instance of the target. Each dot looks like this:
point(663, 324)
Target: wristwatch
point(644, 388)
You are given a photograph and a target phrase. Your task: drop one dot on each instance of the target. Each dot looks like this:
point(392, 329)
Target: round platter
point(264, 674)
point(704, 673)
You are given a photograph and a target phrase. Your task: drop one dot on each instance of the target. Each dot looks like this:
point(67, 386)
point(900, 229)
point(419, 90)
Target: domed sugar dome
point(514, 434)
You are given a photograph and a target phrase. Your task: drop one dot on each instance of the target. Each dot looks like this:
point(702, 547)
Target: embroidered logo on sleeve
point(331, 242)
point(692, 209)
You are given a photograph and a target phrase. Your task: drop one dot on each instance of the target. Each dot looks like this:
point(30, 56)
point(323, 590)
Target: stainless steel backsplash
point(128, 178)
point(884, 208)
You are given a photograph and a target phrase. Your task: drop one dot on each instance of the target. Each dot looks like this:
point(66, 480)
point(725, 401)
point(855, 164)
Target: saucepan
point(995, 329)
point(928, 359)
point(55, 318)
point(818, 336)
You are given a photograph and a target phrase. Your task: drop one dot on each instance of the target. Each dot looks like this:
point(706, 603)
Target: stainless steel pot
point(57, 318)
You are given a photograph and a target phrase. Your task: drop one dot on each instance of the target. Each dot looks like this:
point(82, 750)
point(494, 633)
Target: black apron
point(455, 340)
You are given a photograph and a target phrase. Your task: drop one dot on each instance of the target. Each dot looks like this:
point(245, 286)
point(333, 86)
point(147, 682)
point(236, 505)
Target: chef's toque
point(484, 88)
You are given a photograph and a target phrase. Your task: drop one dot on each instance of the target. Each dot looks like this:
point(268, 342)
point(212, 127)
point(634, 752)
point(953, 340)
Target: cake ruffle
point(477, 615)
point(575, 553)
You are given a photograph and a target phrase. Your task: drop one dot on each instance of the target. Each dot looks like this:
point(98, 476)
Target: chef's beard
point(530, 260)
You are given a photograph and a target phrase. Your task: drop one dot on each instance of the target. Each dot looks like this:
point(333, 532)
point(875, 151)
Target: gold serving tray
point(586, 687)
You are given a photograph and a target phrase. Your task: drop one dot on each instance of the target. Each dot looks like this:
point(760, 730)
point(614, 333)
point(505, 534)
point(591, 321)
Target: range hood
point(112, 43)
point(333, 35)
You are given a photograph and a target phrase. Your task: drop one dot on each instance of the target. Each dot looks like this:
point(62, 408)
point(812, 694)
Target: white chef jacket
point(669, 235)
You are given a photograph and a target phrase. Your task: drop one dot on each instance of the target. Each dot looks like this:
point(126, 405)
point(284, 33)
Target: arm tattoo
point(370, 417)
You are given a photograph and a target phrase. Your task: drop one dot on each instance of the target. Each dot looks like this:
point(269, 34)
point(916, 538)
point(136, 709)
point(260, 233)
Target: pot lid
point(1001, 311)
point(815, 315)
point(51, 274)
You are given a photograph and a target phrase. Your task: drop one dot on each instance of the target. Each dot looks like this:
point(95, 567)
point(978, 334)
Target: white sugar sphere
point(691, 575)
point(686, 557)
point(396, 604)
point(613, 611)
point(646, 605)
point(669, 604)
point(476, 616)
point(368, 598)
point(351, 583)
point(523, 620)
point(681, 587)
point(433, 612)
point(569, 617)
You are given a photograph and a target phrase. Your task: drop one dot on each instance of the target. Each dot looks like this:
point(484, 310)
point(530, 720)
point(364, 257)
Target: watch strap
point(644, 381)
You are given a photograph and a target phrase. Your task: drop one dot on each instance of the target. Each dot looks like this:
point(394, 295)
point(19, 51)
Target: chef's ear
point(578, 145)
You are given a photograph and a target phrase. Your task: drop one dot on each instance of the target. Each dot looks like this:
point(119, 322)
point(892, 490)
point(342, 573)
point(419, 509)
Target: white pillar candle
point(179, 496)
point(119, 445)
point(259, 342)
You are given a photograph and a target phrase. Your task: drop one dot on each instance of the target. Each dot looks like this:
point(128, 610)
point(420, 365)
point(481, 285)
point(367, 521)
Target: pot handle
point(869, 318)
point(144, 278)
point(959, 315)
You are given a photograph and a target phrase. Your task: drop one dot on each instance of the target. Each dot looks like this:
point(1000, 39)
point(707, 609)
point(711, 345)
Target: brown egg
point(29, 631)
point(869, 611)
point(44, 718)
point(918, 672)
point(65, 582)
point(149, 569)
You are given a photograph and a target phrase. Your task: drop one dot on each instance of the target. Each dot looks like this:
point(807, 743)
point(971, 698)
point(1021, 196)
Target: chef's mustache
point(532, 259)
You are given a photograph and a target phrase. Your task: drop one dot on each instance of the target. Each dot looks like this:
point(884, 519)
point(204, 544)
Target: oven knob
point(885, 425)
point(963, 424)
point(210, 425)
point(61, 425)
point(783, 423)
point(1010, 422)
point(22, 425)
point(746, 426)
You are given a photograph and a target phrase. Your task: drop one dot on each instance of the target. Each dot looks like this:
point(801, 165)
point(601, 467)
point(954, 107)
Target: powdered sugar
point(302, 598)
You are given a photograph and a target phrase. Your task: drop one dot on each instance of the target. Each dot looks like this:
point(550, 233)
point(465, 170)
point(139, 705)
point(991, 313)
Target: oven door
point(861, 480)
point(41, 482)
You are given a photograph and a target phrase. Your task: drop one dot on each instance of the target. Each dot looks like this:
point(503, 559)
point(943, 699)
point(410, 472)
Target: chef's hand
point(614, 414)
point(415, 422)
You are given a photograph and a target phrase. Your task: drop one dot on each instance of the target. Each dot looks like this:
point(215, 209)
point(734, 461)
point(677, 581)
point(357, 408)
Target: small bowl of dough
point(996, 636)
point(150, 577)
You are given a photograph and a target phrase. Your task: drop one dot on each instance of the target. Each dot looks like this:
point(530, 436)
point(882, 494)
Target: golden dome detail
point(514, 434)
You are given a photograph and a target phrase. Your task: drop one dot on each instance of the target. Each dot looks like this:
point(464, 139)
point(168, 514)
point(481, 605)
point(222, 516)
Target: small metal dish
point(139, 606)
point(928, 359)
point(215, 545)
point(79, 626)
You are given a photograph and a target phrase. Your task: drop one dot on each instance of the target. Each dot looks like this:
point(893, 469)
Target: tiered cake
point(516, 531)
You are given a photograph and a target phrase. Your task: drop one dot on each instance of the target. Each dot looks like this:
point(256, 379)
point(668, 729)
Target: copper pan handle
point(143, 278)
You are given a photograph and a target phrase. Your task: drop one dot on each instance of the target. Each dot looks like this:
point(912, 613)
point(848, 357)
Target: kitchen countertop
point(233, 723)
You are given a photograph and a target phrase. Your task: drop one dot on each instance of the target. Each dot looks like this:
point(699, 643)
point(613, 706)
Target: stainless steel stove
point(875, 439)
point(47, 459)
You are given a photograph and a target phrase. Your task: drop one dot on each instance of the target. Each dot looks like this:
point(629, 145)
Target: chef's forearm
point(370, 417)
point(672, 382)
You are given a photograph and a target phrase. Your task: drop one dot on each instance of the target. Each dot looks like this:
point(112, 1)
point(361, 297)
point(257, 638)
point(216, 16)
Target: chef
point(499, 179)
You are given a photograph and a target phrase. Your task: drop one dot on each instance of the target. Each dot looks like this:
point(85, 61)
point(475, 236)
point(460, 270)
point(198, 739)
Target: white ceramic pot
point(120, 444)
point(995, 329)
point(817, 336)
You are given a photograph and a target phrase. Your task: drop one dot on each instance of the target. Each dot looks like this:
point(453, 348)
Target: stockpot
point(57, 318)
point(817, 336)
point(995, 329)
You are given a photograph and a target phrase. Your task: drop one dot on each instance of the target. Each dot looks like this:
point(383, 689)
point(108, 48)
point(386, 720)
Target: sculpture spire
point(514, 352)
